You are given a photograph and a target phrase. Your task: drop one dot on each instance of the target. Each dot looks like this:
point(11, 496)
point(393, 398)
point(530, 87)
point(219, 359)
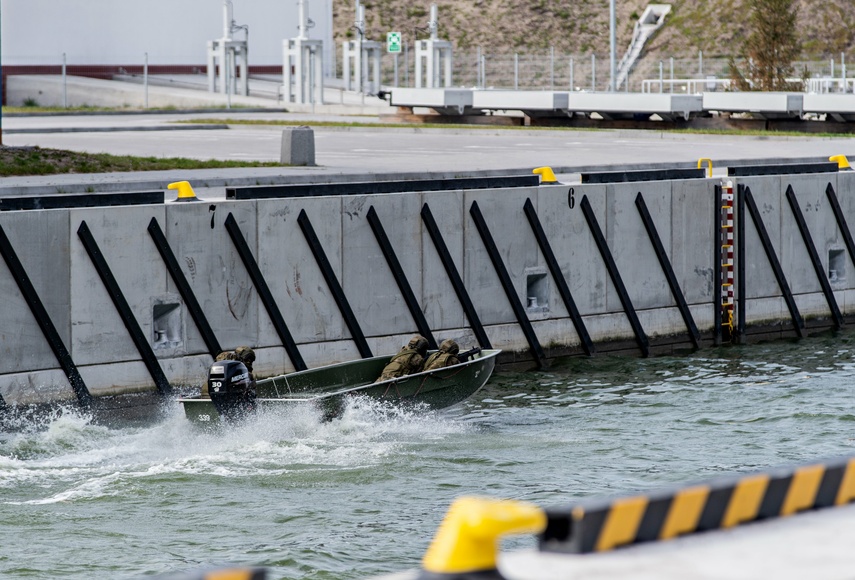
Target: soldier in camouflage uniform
point(446, 356)
point(247, 356)
point(409, 360)
point(243, 354)
point(226, 355)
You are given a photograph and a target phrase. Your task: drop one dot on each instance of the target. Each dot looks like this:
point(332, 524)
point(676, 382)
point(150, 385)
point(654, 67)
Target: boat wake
point(69, 457)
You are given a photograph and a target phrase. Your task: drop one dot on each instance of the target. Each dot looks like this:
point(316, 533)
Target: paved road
point(343, 150)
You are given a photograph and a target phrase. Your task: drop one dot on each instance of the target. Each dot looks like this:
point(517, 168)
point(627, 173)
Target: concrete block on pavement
point(298, 146)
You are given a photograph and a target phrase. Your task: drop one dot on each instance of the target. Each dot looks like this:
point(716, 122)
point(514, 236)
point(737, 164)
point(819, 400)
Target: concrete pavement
point(366, 153)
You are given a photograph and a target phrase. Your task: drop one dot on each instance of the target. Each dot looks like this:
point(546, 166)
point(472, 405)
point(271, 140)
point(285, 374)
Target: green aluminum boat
point(329, 387)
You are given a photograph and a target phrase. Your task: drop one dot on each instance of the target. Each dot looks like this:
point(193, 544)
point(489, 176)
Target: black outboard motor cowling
point(231, 388)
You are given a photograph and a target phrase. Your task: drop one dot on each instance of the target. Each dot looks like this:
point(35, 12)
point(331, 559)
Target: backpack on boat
point(446, 356)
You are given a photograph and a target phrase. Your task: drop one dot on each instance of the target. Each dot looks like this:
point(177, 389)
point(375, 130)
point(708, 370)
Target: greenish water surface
point(363, 494)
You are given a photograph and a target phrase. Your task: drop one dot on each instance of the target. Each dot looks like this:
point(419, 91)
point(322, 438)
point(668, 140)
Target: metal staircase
point(651, 20)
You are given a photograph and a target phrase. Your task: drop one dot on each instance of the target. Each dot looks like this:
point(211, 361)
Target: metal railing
point(685, 86)
point(823, 85)
point(543, 70)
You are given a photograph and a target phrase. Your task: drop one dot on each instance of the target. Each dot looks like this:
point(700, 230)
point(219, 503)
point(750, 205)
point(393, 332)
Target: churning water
point(363, 494)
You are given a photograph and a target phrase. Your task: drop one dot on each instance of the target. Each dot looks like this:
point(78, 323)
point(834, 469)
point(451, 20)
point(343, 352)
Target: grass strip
point(38, 161)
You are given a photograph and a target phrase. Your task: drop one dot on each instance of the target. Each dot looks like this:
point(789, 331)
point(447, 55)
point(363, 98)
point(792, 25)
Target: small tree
point(770, 48)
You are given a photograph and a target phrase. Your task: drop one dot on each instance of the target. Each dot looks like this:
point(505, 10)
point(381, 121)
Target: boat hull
point(330, 387)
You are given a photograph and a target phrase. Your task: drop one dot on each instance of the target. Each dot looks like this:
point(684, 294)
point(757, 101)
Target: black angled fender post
point(333, 284)
point(668, 270)
point(264, 293)
point(400, 277)
point(798, 323)
point(814, 258)
point(454, 277)
point(558, 276)
point(614, 273)
point(44, 321)
point(184, 288)
point(123, 308)
point(508, 285)
point(841, 221)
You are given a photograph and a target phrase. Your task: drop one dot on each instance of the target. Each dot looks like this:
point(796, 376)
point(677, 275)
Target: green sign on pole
point(393, 42)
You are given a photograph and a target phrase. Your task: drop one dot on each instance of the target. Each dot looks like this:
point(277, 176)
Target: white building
point(172, 32)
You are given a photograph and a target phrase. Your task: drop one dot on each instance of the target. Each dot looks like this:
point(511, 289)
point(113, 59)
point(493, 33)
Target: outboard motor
point(231, 388)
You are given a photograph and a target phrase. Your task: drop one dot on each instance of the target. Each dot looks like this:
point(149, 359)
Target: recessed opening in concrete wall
point(537, 292)
point(166, 325)
point(836, 266)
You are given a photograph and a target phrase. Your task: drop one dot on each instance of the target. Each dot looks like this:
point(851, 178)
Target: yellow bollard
point(546, 174)
point(467, 541)
point(185, 191)
point(709, 165)
point(842, 161)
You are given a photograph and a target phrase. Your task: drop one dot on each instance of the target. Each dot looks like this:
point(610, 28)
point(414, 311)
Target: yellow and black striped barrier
point(603, 525)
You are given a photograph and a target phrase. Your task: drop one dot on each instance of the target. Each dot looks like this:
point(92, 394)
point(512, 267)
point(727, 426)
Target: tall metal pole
point(516, 71)
point(360, 28)
point(671, 90)
point(145, 80)
point(64, 85)
point(311, 78)
point(478, 68)
point(227, 19)
point(226, 64)
point(572, 80)
point(551, 68)
point(301, 9)
point(593, 72)
point(612, 62)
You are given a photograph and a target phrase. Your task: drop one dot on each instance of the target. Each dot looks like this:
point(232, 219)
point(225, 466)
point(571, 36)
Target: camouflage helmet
point(419, 344)
point(245, 353)
point(449, 346)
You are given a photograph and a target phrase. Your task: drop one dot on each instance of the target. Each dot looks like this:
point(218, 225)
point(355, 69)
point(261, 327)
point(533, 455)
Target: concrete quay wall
point(530, 321)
